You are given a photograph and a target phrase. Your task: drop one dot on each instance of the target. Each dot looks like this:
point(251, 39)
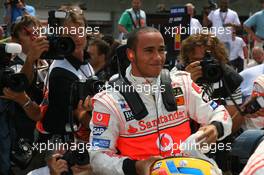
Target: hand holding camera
point(57, 165)
point(39, 45)
point(19, 97)
point(195, 70)
point(82, 108)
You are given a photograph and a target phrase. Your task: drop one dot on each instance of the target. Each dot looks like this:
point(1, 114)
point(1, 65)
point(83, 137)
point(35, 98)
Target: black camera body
point(59, 46)
point(211, 69)
point(17, 82)
point(75, 157)
point(254, 105)
point(72, 157)
point(81, 89)
point(21, 154)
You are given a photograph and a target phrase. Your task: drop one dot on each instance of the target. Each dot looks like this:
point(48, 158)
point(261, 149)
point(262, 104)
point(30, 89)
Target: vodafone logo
point(164, 142)
point(99, 117)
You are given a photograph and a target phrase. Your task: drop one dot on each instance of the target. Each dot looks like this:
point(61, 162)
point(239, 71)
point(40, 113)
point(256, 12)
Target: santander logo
point(132, 130)
point(143, 125)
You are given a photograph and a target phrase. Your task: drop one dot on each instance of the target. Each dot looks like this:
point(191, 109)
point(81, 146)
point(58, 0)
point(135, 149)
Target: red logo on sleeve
point(101, 119)
point(196, 88)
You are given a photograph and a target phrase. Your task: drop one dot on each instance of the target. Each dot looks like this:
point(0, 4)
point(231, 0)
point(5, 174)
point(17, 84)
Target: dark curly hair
point(210, 42)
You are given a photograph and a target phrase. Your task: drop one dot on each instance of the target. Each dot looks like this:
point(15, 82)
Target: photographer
point(212, 79)
point(16, 107)
point(192, 53)
point(23, 32)
point(62, 74)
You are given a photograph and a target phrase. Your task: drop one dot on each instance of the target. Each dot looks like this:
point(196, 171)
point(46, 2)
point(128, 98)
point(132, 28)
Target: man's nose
point(158, 56)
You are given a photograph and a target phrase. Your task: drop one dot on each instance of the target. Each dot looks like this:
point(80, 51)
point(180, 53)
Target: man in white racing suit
point(124, 145)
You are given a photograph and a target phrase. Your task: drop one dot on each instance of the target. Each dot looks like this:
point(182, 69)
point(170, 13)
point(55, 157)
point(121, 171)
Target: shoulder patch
point(177, 91)
point(101, 119)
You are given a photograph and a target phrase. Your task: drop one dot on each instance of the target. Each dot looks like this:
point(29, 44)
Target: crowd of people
point(121, 118)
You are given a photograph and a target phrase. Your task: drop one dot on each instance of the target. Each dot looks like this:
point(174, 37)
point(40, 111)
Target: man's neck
point(136, 10)
point(223, 10)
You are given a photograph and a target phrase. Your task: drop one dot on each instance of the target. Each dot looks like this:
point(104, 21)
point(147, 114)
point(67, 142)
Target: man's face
point(136, 4)
point(25, 38)
point(20, 4)
point(149, 57)
point(198, 54)
point(190, 10)
point(93, 51)
point(223, 5)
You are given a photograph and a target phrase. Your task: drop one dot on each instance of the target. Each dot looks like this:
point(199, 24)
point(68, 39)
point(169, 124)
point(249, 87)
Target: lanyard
point(137, 14)
point(223, 17)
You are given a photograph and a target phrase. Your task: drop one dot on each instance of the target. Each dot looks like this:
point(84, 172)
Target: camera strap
point(236, 79)
point(134, 101)
point(167, 95)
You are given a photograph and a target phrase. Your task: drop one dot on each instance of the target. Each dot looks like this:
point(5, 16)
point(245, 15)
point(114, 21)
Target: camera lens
point(64, 45)
point(17, 82)
point(212, 73)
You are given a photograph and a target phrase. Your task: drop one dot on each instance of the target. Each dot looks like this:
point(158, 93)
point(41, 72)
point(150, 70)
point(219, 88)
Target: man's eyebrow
point(152, 47)
point(147, 48)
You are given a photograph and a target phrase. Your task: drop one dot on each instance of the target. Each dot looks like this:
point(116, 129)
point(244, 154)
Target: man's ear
point(130, 55)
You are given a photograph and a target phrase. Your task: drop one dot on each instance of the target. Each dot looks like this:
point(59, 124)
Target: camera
point(81, 89)
point(254, 105)
point(17, 82)
point(21, 154)
point(6, 51)
point(59, 46)
point(211, 69)
point(75, 157)
point(72, 157)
